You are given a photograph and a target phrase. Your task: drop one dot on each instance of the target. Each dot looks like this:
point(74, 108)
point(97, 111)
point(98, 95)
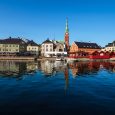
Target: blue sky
point(89, 20)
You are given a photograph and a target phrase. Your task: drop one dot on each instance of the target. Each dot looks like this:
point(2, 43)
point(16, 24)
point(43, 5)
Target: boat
point(59, 58)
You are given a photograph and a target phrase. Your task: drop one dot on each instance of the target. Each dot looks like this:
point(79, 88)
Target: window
point(50, 49)
point(46, 45)
point(50, 45)
point(46, 49)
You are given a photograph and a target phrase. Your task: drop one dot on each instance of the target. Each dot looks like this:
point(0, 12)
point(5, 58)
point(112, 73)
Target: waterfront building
point(86, 47)
point(12, 46)
point(109, 47)
point(50, 48)
point(47, 48)
point(33, 48)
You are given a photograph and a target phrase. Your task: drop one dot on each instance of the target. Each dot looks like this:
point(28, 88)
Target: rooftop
point(87, 45)
point(32, 43)
point(12, 41)
point(110, 44)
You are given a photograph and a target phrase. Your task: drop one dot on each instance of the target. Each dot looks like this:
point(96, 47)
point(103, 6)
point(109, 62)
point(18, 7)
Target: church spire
point(67, 29)
point(67, 36)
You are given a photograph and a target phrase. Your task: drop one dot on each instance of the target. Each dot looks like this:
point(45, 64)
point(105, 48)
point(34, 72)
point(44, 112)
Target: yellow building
point(12, 45)
point(33, 47)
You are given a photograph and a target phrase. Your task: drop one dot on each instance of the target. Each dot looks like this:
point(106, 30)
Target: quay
point(67, 59)
point(16, 58)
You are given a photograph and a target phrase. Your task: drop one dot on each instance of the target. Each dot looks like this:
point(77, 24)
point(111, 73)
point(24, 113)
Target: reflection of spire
point(66, 73)
point(67, 29)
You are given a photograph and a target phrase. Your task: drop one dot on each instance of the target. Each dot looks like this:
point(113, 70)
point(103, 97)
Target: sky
point(89, 20)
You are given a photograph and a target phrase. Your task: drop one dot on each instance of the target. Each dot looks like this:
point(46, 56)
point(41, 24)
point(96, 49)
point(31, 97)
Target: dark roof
point(87, 45)
point(47, 41)
point(12, 41)
point(110, 44)
point(32, 43)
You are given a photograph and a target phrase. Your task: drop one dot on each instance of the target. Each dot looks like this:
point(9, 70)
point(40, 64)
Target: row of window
point(90, 46)
point(47, 45)
point(110, 48)
point(32, 48)
point(47, 50)
point(8, 50)
point(6, 45)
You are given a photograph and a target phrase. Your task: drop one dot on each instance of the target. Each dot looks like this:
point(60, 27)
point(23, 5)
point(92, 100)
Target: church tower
point(67, 35)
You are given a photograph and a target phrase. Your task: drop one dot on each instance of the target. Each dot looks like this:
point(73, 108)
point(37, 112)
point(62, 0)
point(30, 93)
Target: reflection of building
point(31, 67)
point(12, 68)
point(80, 68)
point(59, 65)
point(12, 45)
point(47, 67)
point(74, 69)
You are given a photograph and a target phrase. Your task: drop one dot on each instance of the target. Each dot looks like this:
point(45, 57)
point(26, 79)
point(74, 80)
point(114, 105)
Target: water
point(56, 88)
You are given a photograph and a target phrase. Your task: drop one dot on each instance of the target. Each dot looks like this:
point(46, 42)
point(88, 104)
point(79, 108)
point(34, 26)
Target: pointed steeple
point(67, 29)
point(66, 38)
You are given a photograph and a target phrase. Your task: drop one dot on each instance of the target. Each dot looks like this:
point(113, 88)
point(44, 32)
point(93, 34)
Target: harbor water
point(57, 88)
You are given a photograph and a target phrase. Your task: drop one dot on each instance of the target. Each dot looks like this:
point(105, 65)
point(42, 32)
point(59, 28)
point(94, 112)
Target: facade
point(33, 47)
point(110, 47)
point(46, 48)
point(84, 47)
point(12, 45)
point(59, 47)
point(52, 48)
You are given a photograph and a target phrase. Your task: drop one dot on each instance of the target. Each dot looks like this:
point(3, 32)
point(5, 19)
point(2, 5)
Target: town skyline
point(39, 20)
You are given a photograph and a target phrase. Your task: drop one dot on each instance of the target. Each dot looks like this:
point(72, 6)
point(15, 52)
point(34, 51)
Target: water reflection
point(50, 68)
point(90, 67)
point(42, 89)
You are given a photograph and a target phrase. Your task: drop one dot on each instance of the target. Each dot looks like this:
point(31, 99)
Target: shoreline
point(52, 59)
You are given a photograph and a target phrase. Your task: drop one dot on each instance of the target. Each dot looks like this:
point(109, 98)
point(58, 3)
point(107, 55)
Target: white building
point(52, 48)
point(110, 47)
